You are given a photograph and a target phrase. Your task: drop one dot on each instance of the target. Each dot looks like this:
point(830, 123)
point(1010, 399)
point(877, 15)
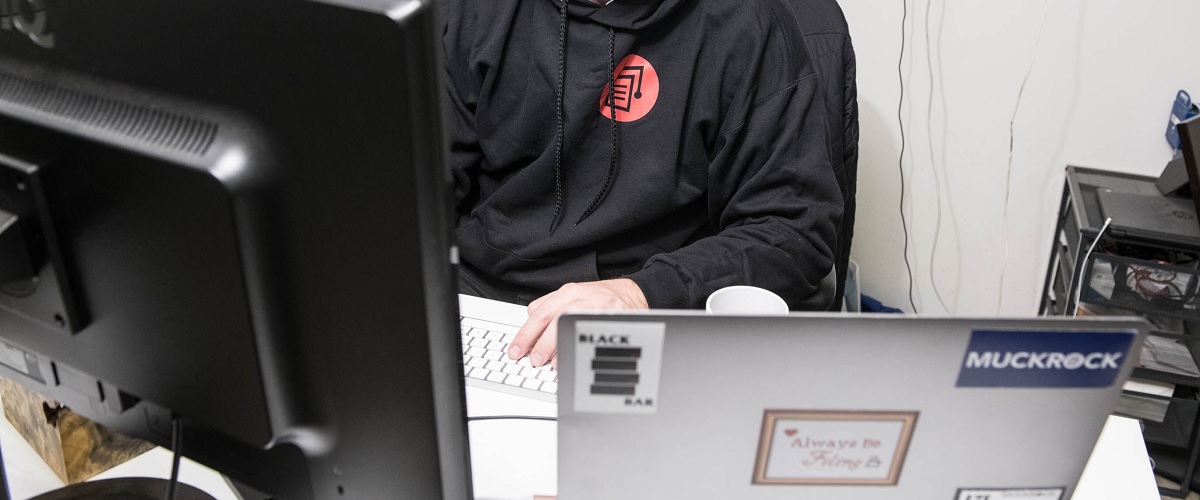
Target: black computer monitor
point(236, 213)
point(1189, 140)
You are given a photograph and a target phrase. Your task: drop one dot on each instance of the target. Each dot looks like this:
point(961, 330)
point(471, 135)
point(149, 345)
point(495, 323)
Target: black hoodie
point(715, 173)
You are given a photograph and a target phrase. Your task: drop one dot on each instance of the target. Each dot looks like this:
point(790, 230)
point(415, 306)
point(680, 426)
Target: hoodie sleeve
point(773, 200)
point(466, 157)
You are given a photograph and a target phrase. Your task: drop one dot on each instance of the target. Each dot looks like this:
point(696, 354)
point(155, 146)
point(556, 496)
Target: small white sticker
point(617, 366)
point(14, 358)
point(1010, 494)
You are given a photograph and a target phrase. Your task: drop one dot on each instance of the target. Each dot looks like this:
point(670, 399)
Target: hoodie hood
point(622, 14)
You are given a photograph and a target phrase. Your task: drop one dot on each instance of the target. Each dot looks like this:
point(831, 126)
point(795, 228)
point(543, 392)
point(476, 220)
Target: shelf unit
point(1131, 272)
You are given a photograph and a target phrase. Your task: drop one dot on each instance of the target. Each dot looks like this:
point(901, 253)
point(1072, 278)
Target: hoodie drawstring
point(612, 129)
point(558, 140)
point(560, 133)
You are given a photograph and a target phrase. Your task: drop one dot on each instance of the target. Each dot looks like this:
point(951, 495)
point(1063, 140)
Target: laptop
point(1149, 215)
point(686, 405)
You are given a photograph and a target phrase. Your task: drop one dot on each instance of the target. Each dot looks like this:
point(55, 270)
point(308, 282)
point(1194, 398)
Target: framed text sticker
point(833, 447)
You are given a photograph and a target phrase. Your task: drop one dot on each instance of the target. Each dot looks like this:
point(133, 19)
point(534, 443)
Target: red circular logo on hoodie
point(636, 92)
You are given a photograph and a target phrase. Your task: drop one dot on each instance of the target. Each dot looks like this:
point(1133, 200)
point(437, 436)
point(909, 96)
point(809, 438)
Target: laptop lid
point(687, 405)
point(1149, 215)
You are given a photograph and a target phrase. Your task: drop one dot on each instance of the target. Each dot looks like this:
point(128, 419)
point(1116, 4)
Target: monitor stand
point(125, 488)
point(1173, 181)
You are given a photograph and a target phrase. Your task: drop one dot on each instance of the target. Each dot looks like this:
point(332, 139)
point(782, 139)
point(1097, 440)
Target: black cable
point(900, 118)
point(511, 417)
point(177, 449)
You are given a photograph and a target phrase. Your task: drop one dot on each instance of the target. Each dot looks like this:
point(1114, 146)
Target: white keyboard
point(486, 364)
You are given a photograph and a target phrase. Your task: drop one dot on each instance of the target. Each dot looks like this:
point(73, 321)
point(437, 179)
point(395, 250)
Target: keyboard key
point(493, 355)
point(497, 346)
point(478, 373)
point(476, 352)
point(477, 332)
point(466, 340)
point(465, 347)
point(531, 383)
point(508, 338)
point(477, 362)
point(494, 336)
point(512, 369)
point(525, 361)
point(530, 372)
point(479, 342)
point(495, 365)
point(466, 358)
point(547, 375)
point(504, 357)
point(550, 387)
point(514, 380)
point(496, 377)
point(466, 370)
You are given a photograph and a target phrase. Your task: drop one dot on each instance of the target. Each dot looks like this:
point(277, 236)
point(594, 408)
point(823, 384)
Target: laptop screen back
point(825, 407)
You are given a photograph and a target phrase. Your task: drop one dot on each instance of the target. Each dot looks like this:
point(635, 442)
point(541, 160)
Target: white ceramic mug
point(750, 300)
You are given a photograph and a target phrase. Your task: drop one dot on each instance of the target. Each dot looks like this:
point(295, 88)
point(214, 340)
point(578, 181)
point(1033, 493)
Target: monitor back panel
point(251, 202)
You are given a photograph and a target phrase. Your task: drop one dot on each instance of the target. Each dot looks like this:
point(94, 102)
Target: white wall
point(1105, 75)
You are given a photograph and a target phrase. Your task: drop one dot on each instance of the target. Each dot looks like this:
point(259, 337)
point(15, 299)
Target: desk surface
point(1119, 467)
point(516, 459)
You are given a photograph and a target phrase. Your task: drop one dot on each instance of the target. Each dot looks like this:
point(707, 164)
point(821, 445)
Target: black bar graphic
point(617, 378)
point(605, 364)
point(617, 390)
point(619, 352)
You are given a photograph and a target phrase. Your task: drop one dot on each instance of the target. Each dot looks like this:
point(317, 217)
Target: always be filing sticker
point(1010, 494)
point(617, 366)
point(811, 447)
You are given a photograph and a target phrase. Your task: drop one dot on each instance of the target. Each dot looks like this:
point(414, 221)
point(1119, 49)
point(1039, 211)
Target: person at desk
point(638, 154)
